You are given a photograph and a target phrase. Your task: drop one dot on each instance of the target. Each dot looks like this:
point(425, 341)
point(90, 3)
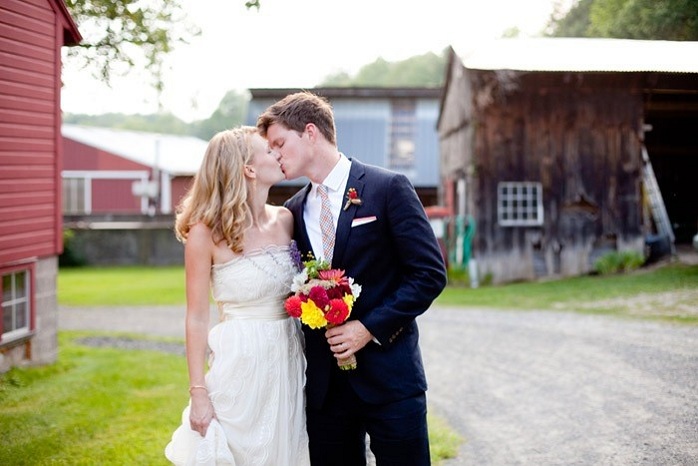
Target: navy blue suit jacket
point(397, 261)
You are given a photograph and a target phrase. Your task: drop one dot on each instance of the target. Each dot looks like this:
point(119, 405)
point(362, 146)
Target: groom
point(382, 239)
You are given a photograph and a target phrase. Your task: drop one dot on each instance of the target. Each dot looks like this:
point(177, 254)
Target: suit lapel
point(296, 206)
point(356, 174)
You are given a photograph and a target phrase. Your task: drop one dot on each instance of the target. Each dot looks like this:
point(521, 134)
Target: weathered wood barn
point(32, 33)
point(393, 128)
point(560, 150)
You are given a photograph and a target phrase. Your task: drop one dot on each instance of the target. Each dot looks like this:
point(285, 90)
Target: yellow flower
point(312, 316)
point(349, 300)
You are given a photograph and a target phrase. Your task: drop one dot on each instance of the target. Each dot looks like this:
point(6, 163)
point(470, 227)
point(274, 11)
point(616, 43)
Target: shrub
point(618, 262)
point(458, 277)
point(70, 257)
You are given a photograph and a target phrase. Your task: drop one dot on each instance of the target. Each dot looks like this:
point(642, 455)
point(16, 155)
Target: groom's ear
point(312, 131)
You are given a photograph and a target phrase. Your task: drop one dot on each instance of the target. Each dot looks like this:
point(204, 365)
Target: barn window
point(403, 128)
point(16, 309)
point(519, 204)
point(74, 195)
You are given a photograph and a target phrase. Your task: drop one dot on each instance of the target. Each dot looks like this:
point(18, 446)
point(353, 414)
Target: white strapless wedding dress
point(256, 370)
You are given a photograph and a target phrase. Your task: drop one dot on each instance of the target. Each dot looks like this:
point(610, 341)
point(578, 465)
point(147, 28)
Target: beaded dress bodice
point(254, 284)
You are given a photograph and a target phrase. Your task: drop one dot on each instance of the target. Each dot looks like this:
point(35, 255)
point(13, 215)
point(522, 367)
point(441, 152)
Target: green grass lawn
point(94, 406)
point(109, 406)
point(120, 286)
point(645, 290)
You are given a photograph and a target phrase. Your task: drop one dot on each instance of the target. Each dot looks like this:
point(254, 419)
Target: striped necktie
point(326, 224)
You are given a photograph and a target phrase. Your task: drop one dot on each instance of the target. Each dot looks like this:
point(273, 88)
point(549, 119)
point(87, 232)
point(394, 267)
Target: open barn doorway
point(671, 111)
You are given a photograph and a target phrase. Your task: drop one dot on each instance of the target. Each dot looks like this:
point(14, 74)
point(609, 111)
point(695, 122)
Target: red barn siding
point(114, 196)
point(109, 196)
point(31, 35)
point(180, 186)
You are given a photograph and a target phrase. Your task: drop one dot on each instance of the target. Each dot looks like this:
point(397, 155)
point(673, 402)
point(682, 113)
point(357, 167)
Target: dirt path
point(532, 388)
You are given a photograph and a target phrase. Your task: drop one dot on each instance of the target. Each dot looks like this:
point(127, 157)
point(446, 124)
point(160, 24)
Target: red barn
point(114, 172)
point(32, 33)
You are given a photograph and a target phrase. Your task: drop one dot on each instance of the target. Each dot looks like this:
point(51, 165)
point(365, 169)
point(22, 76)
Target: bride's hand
point(201, 412)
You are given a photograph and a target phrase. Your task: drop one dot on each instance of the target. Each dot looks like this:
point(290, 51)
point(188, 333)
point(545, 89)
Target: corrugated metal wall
point(363, 131)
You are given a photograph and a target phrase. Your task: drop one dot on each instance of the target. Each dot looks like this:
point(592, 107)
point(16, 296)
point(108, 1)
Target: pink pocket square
point(363, 220)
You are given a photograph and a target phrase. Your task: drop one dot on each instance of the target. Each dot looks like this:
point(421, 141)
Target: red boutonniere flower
point(352, 198)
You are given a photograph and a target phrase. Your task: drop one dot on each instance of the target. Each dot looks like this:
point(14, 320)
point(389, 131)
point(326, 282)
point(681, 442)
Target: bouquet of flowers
point(323, 297)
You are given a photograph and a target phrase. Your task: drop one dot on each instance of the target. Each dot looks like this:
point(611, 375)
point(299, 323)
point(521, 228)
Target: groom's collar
point(337, 178)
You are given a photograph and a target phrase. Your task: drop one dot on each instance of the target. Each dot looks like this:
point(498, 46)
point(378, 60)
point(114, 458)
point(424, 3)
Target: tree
point(629, 19)
point(121, 34)
point(645, 19)
point(339, 79)
point(165, 123)
point(230, 112)
point(575, 23)
point(419, 71)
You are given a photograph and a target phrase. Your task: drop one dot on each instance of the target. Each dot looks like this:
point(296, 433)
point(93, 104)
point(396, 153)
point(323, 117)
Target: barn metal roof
point(581, 55)
point(176, 155)
point(353, 93)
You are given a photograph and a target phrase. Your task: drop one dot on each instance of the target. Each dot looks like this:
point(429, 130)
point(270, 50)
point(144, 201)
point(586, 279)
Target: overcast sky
point(297, 43)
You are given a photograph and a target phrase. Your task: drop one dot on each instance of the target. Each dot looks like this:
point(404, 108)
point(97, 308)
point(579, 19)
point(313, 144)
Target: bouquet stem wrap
point(345, 364)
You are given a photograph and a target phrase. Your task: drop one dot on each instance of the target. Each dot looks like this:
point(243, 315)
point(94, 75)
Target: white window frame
point(84, 206)
point(403, 132)
point(11, 299)
point(75, 196)
point(519, 203)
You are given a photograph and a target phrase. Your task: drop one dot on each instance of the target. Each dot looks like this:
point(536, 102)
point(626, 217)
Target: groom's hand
point(348, 338)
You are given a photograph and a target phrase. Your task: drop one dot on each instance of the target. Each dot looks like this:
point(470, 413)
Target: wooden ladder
point(657, 206)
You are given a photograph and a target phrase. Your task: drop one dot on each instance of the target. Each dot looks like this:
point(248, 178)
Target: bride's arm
point(198, 257)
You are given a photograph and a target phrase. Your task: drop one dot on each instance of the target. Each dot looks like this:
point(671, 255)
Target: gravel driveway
point(548, 388)
point(532, 388)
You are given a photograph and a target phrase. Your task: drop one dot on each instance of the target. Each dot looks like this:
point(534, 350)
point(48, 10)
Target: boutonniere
point(352, 198)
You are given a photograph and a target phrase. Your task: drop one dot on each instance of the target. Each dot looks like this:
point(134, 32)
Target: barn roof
point(71, 34)
point(581, 55)
point(176, 155)
point(351, 92)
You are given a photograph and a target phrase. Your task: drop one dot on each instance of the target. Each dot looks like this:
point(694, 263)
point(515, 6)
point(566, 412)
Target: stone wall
point(41, 346)
point(122, 246)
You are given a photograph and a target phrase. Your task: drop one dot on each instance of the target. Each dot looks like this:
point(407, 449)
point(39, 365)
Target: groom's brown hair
point(297, 110)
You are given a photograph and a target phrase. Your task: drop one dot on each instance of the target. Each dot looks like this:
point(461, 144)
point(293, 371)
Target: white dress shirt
point(336, 183)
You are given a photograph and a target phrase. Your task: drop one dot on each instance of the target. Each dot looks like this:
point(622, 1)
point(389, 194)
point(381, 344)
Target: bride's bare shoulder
point(200, 235)
point(283, 216)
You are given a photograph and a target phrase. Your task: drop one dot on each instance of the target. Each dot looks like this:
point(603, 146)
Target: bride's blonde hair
point(218, 196)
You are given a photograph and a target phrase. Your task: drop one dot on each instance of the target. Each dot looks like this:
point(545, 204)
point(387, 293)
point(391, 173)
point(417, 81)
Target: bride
point(247, 403)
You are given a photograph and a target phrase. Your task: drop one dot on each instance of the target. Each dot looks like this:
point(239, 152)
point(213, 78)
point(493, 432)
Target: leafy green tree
point(230, 112)
point(119, 35)
point(645, 19)
point(339, 79)
point(629, 19)
point(575, 23)
point(511, 32)
point(164, 123)
point(419, 71)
